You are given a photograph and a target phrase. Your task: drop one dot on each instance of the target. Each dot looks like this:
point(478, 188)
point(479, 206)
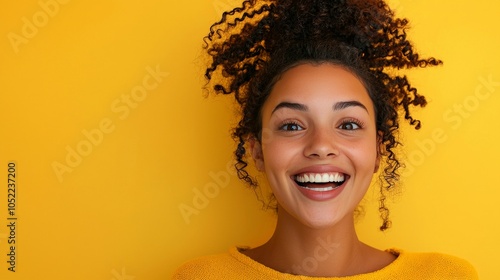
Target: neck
point(298, 249)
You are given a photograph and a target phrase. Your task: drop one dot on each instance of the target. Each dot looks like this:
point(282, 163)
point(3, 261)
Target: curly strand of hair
point(217, 29)
point(391, 177)
point(233, 54)
point(224, 18)
point(384, 212)
point(241, 164)
point(391, 170)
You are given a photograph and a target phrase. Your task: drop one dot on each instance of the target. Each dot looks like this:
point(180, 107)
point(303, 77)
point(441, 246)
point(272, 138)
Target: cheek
point(280, 156)
point(276, 155)
point(363, 156)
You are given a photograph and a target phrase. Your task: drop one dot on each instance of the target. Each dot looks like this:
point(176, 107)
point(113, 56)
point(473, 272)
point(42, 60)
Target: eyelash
point(351, 121)
point(289, 123)
point(354, 122)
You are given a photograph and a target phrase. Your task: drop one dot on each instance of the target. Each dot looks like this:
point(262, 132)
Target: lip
point(320, 169)
point(321, 195)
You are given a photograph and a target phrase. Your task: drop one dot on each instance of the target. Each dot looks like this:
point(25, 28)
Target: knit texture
point(235, 265)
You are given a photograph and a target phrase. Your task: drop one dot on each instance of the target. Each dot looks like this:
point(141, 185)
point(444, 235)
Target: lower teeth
point(326, 189)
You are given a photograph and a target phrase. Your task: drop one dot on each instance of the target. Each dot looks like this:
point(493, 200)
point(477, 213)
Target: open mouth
point(320, 182)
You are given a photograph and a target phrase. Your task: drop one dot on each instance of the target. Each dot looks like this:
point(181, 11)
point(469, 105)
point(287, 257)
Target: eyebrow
point(336, 107)
point(346, 104)
point(290, 105)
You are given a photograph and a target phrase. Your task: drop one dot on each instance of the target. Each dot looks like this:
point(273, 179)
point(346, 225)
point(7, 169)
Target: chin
point(324, 218)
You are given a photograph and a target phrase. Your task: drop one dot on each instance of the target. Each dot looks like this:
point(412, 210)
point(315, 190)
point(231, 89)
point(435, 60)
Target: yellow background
point(116, 215)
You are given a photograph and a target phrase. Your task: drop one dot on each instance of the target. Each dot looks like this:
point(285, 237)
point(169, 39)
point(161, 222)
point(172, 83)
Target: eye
point(291, 126)
point(350, 125)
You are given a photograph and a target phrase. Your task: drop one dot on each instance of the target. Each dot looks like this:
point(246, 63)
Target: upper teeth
point(320, 177)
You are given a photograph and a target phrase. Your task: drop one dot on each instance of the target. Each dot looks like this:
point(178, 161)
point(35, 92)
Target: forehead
point(320, 84)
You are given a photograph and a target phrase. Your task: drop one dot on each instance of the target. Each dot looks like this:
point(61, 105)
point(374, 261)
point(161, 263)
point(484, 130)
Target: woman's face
point(319, 143)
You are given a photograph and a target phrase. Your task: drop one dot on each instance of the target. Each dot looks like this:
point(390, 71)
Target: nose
point(321, 144)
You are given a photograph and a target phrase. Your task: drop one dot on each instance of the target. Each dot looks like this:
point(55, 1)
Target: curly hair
point(252, 45)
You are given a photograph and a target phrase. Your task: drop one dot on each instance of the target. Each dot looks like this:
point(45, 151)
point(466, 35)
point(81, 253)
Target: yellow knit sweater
point(235, 265)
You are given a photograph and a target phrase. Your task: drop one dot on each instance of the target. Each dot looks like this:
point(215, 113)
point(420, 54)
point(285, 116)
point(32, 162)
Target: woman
point(320, 98)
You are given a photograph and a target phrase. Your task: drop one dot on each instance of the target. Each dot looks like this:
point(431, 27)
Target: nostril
point(320, 155)
point(318, 148)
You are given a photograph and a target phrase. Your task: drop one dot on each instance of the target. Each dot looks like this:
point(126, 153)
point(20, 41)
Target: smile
point(320, 182)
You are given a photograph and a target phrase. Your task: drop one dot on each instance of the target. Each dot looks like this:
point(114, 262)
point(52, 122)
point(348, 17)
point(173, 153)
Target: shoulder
point(221, 266)
point(436, 266)
point(201, 267)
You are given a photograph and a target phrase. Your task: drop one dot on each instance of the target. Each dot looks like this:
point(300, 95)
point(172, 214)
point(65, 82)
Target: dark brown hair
point(251, 46)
